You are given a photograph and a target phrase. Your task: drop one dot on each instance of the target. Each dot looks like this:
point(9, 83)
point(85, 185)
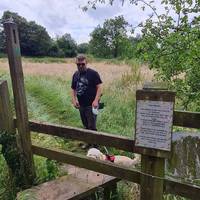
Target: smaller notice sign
point(154, 124)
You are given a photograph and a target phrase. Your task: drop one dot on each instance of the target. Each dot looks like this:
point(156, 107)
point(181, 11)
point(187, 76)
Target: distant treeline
point(169, 43)
point(109, 41)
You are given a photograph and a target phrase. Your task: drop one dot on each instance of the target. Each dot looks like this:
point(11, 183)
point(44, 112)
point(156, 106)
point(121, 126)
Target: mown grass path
point(48, 96)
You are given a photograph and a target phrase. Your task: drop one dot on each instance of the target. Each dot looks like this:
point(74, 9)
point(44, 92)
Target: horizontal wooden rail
point(171, 186)
point(183, 119)
point(187, 119)
point(182, 189)
point(89, 136)
point(89, 163)
point(67, 132)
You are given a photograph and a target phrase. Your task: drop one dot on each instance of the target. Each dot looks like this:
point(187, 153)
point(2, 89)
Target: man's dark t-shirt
point(85, 86)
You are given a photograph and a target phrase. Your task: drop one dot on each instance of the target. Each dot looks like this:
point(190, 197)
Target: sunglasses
point(80, 64)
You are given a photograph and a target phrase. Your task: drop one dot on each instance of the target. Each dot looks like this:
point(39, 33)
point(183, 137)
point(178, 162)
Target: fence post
point(16, 72)
point(152, 189)
point(10, 146)
point(6, 124)
point(153, 136)
point(6, 117)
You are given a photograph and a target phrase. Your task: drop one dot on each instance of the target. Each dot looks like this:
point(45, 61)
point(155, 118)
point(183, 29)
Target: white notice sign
point(154, 124)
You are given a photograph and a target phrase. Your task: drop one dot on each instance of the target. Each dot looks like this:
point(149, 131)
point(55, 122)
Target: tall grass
point(118, 115)
point(90, 58)
point(2, 55)
point(47, 59)
point(54, 96)
point(6, 192)
point(173, 197)
point(3, 58)
point(49, 100)
point(3, 75)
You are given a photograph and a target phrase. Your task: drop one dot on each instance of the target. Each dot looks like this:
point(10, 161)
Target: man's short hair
point(80, 57)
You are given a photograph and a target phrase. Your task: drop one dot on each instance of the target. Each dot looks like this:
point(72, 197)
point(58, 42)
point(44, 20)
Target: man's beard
point(82, 69)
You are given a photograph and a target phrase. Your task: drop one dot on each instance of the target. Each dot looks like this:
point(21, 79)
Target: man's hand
point(74, 99)
point(95, 104)
point(76, 103)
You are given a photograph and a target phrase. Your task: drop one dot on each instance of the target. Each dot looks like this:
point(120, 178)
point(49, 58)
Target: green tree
point(128, 47)
point(2, 41)
point(2, 38)
point(34, 39)
point(68, 45)
point(83, 48)
point(171, 44)
point(55, 51)
point(98, 43)
point(106, 41)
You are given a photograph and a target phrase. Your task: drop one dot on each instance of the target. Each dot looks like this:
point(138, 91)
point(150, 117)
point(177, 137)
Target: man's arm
point(95, 103)
point(74, 99)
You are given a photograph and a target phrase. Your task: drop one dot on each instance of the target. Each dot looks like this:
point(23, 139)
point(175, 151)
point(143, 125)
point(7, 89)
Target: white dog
point(121, 160)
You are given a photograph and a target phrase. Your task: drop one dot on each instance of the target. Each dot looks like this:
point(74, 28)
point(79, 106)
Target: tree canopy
point(34, 39)
point(83, 48)
point(170, 43)
point(67, 44)
point(107, 41)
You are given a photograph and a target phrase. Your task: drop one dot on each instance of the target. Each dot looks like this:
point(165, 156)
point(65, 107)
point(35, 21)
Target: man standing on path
point(86, 92)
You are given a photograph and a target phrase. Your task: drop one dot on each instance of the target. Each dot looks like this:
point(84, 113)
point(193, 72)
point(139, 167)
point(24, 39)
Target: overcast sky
point(65, 16)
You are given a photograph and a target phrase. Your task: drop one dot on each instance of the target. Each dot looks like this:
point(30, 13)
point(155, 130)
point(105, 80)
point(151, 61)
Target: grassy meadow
point(48, 84)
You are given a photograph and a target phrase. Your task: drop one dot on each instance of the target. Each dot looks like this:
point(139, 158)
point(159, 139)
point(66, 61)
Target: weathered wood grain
point(104, 167)
point(170, 186)
point(6, 115)
point(152, 189)
point(186, 119)
point(94, 137)
point(16, 72)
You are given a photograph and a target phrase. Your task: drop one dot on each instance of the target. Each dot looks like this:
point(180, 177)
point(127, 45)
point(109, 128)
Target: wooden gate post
point(6, 123)
point(154, 120)
point(10, 147)
point(6, 117)
point(16, 72)
point(152, 188)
